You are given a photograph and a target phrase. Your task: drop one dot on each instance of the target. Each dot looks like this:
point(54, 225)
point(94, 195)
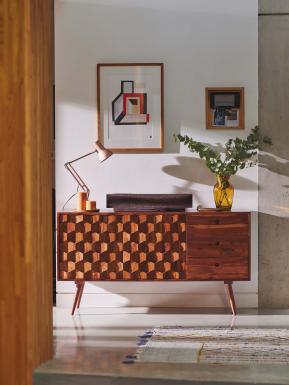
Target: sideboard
point(153, 246)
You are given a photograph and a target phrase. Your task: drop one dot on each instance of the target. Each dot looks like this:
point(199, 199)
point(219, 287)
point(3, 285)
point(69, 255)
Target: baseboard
point(248, 300)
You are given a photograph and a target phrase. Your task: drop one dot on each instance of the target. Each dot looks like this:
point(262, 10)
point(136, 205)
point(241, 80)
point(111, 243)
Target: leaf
point(238, 152)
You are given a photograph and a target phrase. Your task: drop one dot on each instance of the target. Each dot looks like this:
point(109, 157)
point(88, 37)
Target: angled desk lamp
point(82, 197)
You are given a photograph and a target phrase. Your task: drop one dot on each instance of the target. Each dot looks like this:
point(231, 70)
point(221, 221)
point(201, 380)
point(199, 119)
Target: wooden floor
point(90, 347)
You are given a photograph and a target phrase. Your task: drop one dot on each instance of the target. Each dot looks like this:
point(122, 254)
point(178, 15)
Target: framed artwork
point(225, 108)
point(130, 106)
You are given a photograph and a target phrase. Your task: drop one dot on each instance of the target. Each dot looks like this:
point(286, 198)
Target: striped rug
point(213, 345)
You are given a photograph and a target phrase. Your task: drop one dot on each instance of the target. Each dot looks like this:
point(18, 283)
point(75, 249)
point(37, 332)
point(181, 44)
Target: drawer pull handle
point(217, 264)
point(217, 244)
point(217, 221)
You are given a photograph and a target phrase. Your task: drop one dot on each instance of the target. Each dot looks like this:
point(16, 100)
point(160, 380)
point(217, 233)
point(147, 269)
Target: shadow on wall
point(194, 170)
point(273, 163)
point(273, 184)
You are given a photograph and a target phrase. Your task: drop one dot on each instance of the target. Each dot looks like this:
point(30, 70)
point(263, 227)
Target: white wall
point(201, 43)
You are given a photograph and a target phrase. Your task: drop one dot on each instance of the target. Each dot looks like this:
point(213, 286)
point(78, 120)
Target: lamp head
point(103, 153)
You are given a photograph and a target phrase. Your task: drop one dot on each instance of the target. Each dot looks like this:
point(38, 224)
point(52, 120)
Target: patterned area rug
point(213, 346)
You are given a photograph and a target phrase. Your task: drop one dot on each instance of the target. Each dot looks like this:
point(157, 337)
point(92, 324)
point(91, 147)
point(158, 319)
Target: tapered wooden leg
point(77, 294)
point(230, 294)
point(80, 294)
point(232, 324)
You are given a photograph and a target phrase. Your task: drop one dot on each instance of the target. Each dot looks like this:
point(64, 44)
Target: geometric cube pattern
point(115, 246)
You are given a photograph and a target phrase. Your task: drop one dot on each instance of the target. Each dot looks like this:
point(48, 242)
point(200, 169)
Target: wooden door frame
point(26, 146)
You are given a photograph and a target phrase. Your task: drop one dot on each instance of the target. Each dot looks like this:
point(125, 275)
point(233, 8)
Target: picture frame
point(130, 107)
point(225, 108)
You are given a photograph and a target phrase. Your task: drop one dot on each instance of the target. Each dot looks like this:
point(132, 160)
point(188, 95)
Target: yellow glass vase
point(223, 193)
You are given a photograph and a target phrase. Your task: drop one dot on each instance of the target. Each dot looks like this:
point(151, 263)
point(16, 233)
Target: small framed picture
point(225, 108)
point(130, 106)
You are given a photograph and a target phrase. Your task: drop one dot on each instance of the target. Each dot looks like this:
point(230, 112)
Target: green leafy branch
point(238, 153)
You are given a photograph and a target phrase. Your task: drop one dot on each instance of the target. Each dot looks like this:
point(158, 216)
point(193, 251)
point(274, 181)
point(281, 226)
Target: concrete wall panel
point(274, 173)
point(273, 6)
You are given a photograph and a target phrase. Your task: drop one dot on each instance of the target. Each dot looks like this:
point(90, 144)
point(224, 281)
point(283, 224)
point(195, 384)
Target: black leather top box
point(155, 202)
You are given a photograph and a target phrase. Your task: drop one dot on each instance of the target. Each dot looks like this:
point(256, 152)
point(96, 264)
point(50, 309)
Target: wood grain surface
point(220, 218)
point(127, 246)
point(25, 188)
point(153, 246)
point(218, 246)
point(214, 248)
point(160, 202)
point(217, 269)
point(205, 233)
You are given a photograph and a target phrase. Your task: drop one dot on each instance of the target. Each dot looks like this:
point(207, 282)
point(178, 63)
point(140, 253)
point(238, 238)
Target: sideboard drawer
point(218, 249)
point(218, 246)
point(218, 219)
point(217, 233)
point(220, 268)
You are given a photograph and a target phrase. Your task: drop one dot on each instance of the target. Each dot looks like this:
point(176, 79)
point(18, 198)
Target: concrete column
point(274, 173)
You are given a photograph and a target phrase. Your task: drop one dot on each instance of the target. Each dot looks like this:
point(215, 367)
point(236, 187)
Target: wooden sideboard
point(153, 246)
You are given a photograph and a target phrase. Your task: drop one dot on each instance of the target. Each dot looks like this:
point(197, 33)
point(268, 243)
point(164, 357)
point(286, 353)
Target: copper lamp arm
point(74, 173)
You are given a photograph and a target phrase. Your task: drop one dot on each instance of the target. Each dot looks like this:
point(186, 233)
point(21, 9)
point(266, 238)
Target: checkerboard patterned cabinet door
point(121, 246)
